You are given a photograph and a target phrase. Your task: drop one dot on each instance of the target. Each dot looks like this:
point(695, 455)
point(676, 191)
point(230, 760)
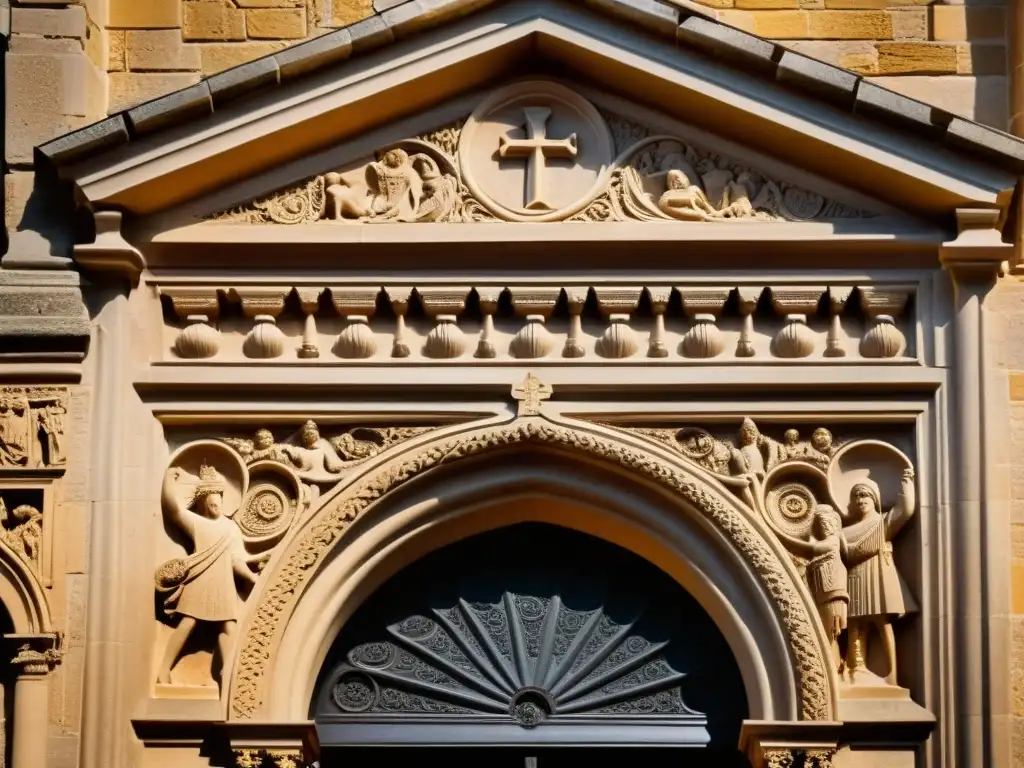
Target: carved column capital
point(35, 654)
point(268, 758)
point(978, 254)
point(819, 758)
point(776, 757)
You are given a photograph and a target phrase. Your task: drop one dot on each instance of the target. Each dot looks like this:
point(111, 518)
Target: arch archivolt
point(307, 556)
point(22, 595)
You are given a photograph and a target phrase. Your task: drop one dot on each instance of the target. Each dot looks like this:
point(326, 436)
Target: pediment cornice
point(305, 120)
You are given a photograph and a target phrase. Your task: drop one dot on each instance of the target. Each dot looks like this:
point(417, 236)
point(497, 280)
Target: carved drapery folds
point(234, 500)
point(32, 426)
point(563, 159)
point(836, 506)
point(471, 324)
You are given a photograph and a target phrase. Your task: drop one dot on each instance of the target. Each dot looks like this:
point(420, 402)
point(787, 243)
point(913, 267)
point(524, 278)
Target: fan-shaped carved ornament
point(523, 661)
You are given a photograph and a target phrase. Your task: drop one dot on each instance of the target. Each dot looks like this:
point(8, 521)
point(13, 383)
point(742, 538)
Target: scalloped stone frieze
point(539, 151)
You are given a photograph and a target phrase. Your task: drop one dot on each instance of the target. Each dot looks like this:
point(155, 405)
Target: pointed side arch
point(22, 595)
point(297, 565)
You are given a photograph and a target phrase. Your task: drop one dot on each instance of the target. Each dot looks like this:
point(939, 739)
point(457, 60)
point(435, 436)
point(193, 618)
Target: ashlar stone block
point(145, 14)
point(276, 23)
point(160, 49)
point(850, 25)
point(205, 20)
point(917, 58)
point(345, 12)
point(216, 57)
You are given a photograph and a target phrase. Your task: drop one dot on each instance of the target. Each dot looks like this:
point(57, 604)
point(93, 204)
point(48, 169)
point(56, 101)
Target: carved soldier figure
point(51, 420)
point(876, 590)
point(202, 587)
point(826, 574)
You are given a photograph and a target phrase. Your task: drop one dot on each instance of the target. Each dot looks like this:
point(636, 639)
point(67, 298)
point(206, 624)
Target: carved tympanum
point(32, 425)
point(538, 151)
point(526, 658)
point(837, 508)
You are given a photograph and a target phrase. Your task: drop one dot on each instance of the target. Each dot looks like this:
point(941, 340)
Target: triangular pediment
point(536, 112)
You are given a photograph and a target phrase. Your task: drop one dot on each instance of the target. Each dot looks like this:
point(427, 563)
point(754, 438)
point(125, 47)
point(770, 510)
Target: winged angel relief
point(652, 178)
point(229, 502)
point(837, 510)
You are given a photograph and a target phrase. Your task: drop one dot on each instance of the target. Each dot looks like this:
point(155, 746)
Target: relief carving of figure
point(15, 420)
point(396, 188)
point(25, 534)
point(51, 421)
point(818, 452)
point(756, 453)
point(262, 447)
point(877, 593)
point(202, 587)
point(825, 572)
point(316, 459)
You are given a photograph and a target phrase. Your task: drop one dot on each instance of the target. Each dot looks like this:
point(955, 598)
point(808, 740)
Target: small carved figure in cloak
point(756, 453)
point(14, 431)
point(26, 536)
point(51, 420)
point(439, 191)
point(316, 459)
point(876, 589)
point(262, 447)
point(202, 587)
point(793, 449)
point(825, 572)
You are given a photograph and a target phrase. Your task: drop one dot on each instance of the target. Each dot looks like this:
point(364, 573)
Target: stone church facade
point(521, 383)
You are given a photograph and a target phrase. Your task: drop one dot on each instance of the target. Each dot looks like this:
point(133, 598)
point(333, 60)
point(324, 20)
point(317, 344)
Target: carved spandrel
point(33, 421)
point(837, 506)
point(537, 151)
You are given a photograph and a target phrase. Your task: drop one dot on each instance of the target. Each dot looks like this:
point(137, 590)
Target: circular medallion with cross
point(535, 151)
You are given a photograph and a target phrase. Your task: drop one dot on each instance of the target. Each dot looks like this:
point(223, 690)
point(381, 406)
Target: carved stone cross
point(530, 393)
point(536, 147)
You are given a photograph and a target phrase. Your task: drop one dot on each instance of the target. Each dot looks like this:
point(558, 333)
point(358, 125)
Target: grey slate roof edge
point(392, 20)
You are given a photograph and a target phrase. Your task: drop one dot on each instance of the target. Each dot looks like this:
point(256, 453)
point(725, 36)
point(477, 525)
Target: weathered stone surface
point(986, 142)
point(42, 312)
point(129, 88)
point(276, 23)
point(815, 77)
point(917, 58)
point(47, 95)
point(415, 15)
point(983, 59)
point(782, 25)
point(909, 24)
point(369, 34)
point(766, 4)
point(651, 14)
point(216, 57)
point(727, 43)
point(244, 79)
point(881, 104)
point(117, 56)
point(345, 12)
point(159, 50)
point(270, 3)
point(172, 109)
point(322, 51)
point(976, 98)
point(96, 137)
point(860, 56)
point(49, 22)
point(213, 20)
point(151, 14)
point(45, 45)
point(850, 25)
point(969, 22)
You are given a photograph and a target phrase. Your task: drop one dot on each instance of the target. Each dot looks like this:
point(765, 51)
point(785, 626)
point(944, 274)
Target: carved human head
point(827, 521)
point(792, 437)
point(822, 440)
point(310, 433)
point(395, 158)
point(748, 432)
point(332, 178)
point(264, 439)
point(676, 179)
point(865, 498)
point(209, 493)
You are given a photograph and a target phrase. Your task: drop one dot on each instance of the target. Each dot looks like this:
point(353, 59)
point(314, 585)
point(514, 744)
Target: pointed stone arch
point(299, 563)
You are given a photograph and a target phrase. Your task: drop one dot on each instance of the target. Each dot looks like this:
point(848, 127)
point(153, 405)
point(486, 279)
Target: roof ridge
point(678, 20)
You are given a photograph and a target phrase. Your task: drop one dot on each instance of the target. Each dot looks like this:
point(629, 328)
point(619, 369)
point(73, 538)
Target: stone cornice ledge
point(978, 253)
point(110, 252)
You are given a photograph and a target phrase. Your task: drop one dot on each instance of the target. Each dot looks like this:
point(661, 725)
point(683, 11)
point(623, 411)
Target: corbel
point(488, 301)
point(748, 297)
point(703, 306)
point(618, 304)
point(110, 252)
point(576, 300)
point(309, 302)
point(795, 339)
point(398, 296)
point(838, 295)
point(659, 298)
point(978, 253)
point(282, 745)
point(357, 306)
point(444, 304)
point(263, 305)
point(198, 306)
point(535, 304)
point(883, 305)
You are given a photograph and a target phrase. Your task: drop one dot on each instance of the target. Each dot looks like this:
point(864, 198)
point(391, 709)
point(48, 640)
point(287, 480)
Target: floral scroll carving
point(646, 176)
point(290, 576)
